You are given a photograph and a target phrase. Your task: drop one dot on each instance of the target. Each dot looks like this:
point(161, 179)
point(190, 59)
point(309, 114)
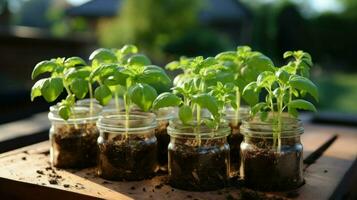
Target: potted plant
point(245, 65)
point(272, 152)
point(73, 132)
point(198, 150)
point(127, 142)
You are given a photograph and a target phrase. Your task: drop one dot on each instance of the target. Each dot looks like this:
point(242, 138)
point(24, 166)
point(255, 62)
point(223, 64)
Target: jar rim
point(243, 113)
point(291, 127)
point(177, 129)
point(114, 121)
point(79, 109)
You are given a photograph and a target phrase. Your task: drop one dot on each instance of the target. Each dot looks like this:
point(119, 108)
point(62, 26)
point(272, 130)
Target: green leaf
point(156, 78)
point(128, 49)
point(76, 73)
point(287, 54)
point(206, 101)
point(251, 93)
point(143, 95)
point(64, 112)
point(102, 55)
point(74, 62)
point(304, 84)
point(209, 123)
point(227, 56)
point(79, 87)
point(103, 71)
point(258, 108)
point(36, 88)
point(139, 60)
point(103, 94)
point(301, 104)
point(266, 79)
point(52, 88)
point(166, 99)
point(43, 67)
point(185, 114)
point(282, 75)
point(173, 65)
point(255, 65)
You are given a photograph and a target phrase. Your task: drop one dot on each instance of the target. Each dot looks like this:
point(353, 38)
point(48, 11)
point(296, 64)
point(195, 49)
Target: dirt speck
point(144, 189)
point(53, 181)
point(66, 185)
point(24, 158)
point(325, 171)
point(159, 186)
point(132, 188)
point(189, 196)
point(40, 172)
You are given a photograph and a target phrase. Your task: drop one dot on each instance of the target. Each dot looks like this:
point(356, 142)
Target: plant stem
point(238, 107)
point(116, 99)
point(127, 112)
point(90, 99)
point(198, 113)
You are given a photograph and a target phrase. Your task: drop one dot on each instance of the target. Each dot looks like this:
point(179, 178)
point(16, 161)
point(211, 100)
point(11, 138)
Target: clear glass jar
point(74, 141)
point(198, 158)
point(264, 165)
point(163, 116)
point(235, 138)
point(127, 147)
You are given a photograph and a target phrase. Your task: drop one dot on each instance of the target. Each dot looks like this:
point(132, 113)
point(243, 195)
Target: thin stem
point(127, 112)
point(198, 113)
point(116, 99)
point(90, 99)
point(238, 107)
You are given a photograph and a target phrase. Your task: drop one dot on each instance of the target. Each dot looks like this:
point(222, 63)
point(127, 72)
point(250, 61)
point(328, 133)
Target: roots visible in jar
point(198, 168)
point(133, 158)
point(74, 146)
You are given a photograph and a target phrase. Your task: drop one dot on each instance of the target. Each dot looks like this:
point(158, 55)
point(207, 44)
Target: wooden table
point(26, 173)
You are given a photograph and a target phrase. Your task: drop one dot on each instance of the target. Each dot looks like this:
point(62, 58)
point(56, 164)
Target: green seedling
point(284, 87)
point(245, 65)
point(71, 75)
point(132, 74)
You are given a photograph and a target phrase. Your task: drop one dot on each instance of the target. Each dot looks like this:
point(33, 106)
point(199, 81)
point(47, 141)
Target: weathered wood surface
point(28, 171)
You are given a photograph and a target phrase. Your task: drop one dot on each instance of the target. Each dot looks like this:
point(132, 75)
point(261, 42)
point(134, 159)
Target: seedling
point(285, 87)
point(129, 72)
point(245, 65)
point(71, 74)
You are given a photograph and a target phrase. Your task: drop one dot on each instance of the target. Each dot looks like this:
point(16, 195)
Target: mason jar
point(163, 116)
point(127, 146)
point(198, 157)
point(267, 163)
point(235, 138)
point(74, 141)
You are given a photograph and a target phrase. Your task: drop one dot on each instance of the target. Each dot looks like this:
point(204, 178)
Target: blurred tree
point(151, 24)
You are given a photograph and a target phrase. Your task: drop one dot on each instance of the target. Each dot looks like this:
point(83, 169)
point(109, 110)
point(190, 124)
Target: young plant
point(245, 65)
point(136, 78)
point(285, 87)
point(71, 74)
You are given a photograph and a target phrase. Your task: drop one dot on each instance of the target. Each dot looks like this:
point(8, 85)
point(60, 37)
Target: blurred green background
point(34, 30)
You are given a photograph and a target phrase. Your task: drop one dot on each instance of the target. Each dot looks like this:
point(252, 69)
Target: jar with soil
point(74, 141)
point(266, 165)
point(163, 116)
point(127, 146)
point(234, 120)
point(198, 156)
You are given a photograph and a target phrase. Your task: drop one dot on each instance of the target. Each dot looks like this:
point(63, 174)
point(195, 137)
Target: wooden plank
point(30, 165)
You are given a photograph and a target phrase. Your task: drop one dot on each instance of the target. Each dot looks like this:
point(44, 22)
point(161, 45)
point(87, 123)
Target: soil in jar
point(74, 146)
point(133, 158)
point(265, 169)
point(163, 140)
point(234, 141)
point(200, 168)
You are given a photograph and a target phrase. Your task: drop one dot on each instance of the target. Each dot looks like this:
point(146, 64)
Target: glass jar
point(198, 157)
point(235, 138)
point(265, 165)
point(74, 141)
point(163, 116)
point(127, 146)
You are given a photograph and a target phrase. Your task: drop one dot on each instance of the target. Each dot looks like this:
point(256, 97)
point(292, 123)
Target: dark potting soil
point(74, 147)
point(163, 140)
point(267, 170)
point(198, 168)
point(127, 159)
point(234, 141)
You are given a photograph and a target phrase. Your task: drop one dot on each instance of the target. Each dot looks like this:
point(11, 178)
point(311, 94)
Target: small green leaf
point(64, 112)
point(302, 104)
point(139, 60)
point(166, 99)
point(74, 62)
point(287, 54)
point(206, 101)
point(143, 95)
point(43, 67)
point(103, 94)
point(185, 114)
point(304, 84)
point(128, 49)
point(102, 55)
point(79, 87)
point(227, 56)
point(156, 78)
point(76, 73)
point(52, 88)
point(282, 75)
point(266, 79)
point(251, 93)
point(258, 108)
point(36, 88)
point(173, 65)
